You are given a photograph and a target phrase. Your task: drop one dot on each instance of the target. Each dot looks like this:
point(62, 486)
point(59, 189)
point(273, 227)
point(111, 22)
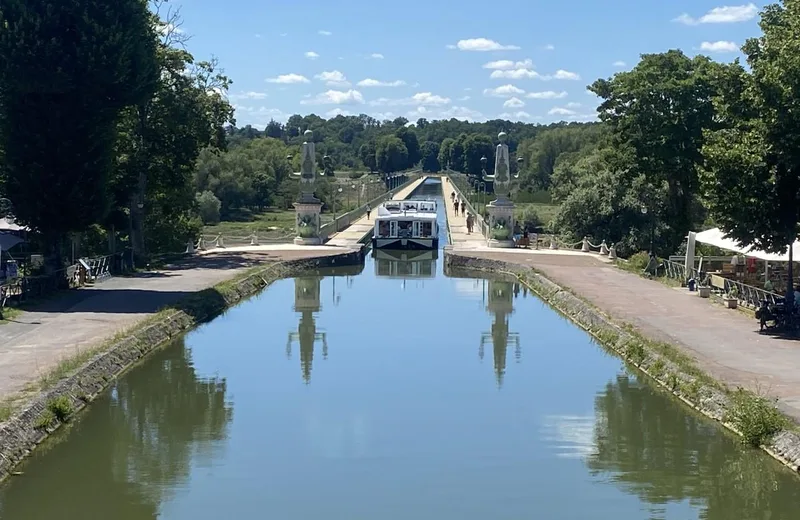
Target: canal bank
point(165, 309)
point(676, 368)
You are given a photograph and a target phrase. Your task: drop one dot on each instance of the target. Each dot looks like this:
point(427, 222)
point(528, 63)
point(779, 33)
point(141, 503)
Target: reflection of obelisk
point(501, 304)
point(307, 302)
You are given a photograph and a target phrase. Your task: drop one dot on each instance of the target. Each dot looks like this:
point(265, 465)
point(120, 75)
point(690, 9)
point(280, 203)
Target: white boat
point(406, 224)
point(405, 264)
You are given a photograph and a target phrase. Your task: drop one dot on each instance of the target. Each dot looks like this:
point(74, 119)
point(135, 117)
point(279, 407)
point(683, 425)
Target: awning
point(7, 241)
point(716, 237)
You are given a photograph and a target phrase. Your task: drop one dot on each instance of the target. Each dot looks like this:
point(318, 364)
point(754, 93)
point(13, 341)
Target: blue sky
point(420, 58)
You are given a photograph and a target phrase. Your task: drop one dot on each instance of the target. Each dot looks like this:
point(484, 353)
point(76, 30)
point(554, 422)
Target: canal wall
point(57, 405)
point(664, 364)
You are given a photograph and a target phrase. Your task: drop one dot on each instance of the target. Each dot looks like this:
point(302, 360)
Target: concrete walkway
point(355, 232)
point(457, 224)
point(724, 342)
point(38, 340)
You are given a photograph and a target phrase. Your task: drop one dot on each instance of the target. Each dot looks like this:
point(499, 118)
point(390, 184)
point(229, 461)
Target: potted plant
point(731, 299)
point(704, 291)
point(500, 231)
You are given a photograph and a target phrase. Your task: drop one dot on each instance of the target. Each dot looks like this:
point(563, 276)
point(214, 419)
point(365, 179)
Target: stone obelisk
point(501, 210)
point(308, 207)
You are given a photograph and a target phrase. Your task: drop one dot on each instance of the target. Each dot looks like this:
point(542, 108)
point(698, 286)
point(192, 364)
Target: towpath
point(36, 341)
point(725, 343)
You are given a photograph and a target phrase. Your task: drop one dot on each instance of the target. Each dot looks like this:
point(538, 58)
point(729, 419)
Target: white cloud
point(720, 46)
point(465, 98)
point(467, 89)
point(369, 82)
point(515, 74)
point(311, 55)
point(724, 14)
point(462, 113)
point(289, 79)
point(503, 91)
point(337, 112)
point(559, 111)
point(325, 33)
point(335, 97)
point(333, 78)
point(258, 117)
point(618, 64)
point(508, 65)
point(564, 74)
point(515, 116)
point(573, 104)
point(547, 94)
point(257, 35)
point(481, 45)
point(419, 99)
point(549, 47)
point(248, 95)
point(376, 56)
point(167, 28)
point(514, 103)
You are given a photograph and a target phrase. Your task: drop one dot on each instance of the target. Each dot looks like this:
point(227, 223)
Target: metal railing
point(459, 183)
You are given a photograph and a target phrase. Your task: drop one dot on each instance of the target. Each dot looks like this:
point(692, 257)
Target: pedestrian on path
point(452, 196)
point(470, 223)
point(455, 205)
point(463, 207)
point(368, 211)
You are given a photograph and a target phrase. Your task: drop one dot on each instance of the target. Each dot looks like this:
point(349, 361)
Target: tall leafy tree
point(752, 175)
point(68, 69)
point(660, 109)
point(430, 157)
point(391, 154)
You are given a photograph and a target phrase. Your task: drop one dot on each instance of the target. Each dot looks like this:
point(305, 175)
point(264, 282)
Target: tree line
point(122, 136)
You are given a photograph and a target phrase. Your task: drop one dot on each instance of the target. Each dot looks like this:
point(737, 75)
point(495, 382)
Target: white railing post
point(585, 245)
point(603, 248)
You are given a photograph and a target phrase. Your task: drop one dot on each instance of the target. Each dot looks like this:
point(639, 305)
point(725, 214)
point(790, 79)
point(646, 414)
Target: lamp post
point(335, 223)
point(652, 228)
point(352, 189)
point(483, 196)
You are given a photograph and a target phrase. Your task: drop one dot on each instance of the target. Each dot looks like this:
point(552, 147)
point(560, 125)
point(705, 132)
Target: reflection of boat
point(406, 224)
point(405, 264)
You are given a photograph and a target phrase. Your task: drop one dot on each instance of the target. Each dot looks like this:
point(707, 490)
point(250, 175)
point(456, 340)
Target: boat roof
point(408, 208)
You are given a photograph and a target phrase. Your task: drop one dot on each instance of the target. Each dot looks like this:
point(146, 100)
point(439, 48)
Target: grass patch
point(10, 314)
point(270, 222)
point(755, 416)
point(61, 408)
point(70, 364)
point(45, 420)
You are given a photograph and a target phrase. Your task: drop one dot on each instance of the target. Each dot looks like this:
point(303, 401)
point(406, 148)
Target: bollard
point(585, 245)
point(553, 244)
point(220, 241)
point(253, 239)
point(189, 248)
point(604, 248)
point(612, 252)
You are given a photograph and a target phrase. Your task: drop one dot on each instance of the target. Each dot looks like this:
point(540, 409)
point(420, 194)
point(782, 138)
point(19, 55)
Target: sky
point(523, 60)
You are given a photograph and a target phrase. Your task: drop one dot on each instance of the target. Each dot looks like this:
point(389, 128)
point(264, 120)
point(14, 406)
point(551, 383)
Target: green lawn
point(272, 222)
point(545, 212)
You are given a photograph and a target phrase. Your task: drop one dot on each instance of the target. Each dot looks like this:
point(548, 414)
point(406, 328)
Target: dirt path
point(38, 340)
point(725, 343)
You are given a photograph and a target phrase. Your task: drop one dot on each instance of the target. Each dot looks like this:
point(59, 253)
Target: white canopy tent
point(716, 237)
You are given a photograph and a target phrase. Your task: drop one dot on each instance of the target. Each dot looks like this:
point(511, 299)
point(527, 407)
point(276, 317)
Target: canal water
point(392, 391)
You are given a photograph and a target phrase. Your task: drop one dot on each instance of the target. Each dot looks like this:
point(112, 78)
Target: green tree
point(475, 147)
point(409, 138)
point(430, 157)
point(660, 109)
point(391, 154)
point(542, 152)
point(208, 206)
point(445, 150)
point(62, 89)
point(752, 168)
point(367, 155)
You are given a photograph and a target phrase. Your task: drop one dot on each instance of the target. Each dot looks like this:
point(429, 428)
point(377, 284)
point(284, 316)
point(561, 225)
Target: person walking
point(463, 207)
point(368, 211)
point(455, 205)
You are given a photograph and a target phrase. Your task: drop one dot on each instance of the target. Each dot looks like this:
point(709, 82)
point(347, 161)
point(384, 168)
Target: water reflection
point(132, 451)
point(307, 302)
point(405, 264)
point(500, 302)
point(650, 447)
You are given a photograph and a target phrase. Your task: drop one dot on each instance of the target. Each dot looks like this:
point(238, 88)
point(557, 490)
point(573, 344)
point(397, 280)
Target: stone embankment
point(51, 408)
point(666, 365)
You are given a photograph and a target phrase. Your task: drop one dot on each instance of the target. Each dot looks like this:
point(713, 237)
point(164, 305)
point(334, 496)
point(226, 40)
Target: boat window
point(409, 206)
point(404, 228)
point(383, 228)
point(427, 229)
point(392, 206)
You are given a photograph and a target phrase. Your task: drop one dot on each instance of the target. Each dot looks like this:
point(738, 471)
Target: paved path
point(38, 340)
point(457, 224)
point(355, 232)
point(725, 343)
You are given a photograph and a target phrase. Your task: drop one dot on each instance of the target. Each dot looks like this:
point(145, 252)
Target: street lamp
point(335, 224)
point(352, 189)
point(652, 228)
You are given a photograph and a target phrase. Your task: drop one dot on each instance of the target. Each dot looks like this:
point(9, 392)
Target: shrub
point(208, 206)
point(755, 417)
point(60, 407)
point(639, 260)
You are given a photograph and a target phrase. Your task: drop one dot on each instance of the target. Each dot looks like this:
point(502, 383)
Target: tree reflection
point(131, 449)
point(654, 448)
point(500, 302)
